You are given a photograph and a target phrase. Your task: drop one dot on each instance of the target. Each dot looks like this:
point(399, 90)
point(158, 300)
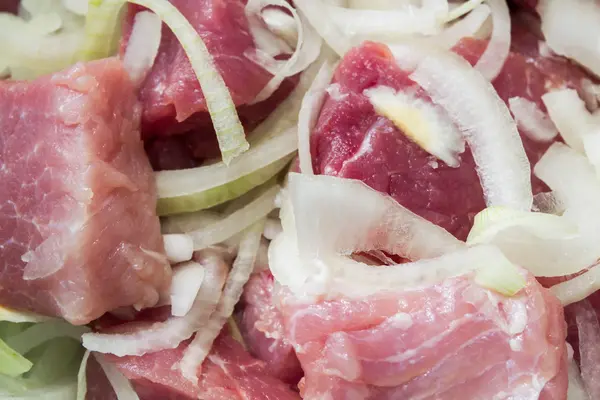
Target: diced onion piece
point(170, 333)
point(491, 133)
point(588, 330)
point(306, 51)
point(12, 363)
point(578, 288)
point(533, 121)
point(281, 24)
point(229, 129)
point(142, 46)
point(185, 285)
point(200, 346)
point(569, 114)
point(204, 187)
point(591, 145)
point(118, 381)
point(237, 221)
point(82, 377)
point(178, 247)
point(309, 113)
point(507, 280)
point(572, 29)
point(493, 58)
point(422, 122)
point(547, 202)
point(468, 26)
point(102, 29)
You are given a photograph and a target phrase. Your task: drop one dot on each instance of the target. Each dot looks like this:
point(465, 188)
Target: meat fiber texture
point(171, 95)
point(229, 373)
point(79, 235)
point(351, 140)
point(452, 340)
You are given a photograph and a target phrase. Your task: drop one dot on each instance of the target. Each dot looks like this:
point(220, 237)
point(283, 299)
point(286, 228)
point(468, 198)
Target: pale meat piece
point(80, 235)
point(452, 340)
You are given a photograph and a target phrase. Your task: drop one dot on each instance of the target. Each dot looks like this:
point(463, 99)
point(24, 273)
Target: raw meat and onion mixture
point(300, 199)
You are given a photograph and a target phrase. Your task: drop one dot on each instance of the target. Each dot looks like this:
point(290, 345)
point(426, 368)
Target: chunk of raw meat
point(80, 235)
point(452, 340)
point(261, 326)
point(351, 140)
point(229, 373)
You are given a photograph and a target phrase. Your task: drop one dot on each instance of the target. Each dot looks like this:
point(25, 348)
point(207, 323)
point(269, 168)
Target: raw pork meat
point(229, 373)
point(351, 140)
point(79, 235)
point(452, 340)
point(261, 326)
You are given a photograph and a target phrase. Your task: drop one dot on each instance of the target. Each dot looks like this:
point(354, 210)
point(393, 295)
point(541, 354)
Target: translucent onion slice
point(170, 333)
point(185, 286)
point(460, 10)
point(12, 363)
point(591, 145)
point(468, 26)
point(306, 51)
point(282, 24)
point(9, 315)
point(493, 58)
point(204, 187)
point(309, 113)
point(266, 39)
point(142, 46)
point(178, 247)
point(578, 288)
point(568, 27)
point(200, 346)
point(378, 4)
point(491, 133)
point(79, 7)
point(321, 22)
point(548, 203)
point(569, 114)
point(588, 331)
point(118, 381)
point(576, 389)
point(229, 129)
point(102, 29)
point(82, 377)
point(534, 122)
point(41, 333)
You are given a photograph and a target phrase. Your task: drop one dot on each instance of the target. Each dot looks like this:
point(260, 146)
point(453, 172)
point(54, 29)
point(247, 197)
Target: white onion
point(142, 46)
point(458, 10)
point(321, 22)
point(571, 117)
point(533, 121)
point(185, 286)
point(591, 145)
point(547, 202)
point(200, 346)
point(272, 228)
point(493, 58)
point(82, 377)
point(473, 103)
point(266, 40)
point(118, 381)
point(572, 29)
point(309, 113)
point(282, 24)
point(468, 26)
point(178, 247)
point(170, 333)
point(79, 7)
point(578, 288)
point(379, 4)
point(306, 51)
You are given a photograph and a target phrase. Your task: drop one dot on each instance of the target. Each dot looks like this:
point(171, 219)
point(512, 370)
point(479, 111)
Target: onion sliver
point(533, 121)
point(118, 381)
point(281, 24)
point(462, 9)
point(142, 46)
point(170, 333)
point(229, 129)
point(41, 333)
point(591, 145)
point(82, 376)
point(200, 346)
point(102, 29)
point(473, 103)
point(377, 4)
point(237, 221)
point(578, 288)
point(178, 247)
point(204, 187)
point(307, 49)
point(185, 285)
point(569, 114)
point(493, 58)
point(469, 26)
point(309, 113)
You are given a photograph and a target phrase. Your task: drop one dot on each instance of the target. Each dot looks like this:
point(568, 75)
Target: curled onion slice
point(494, 56)
point(578, 288)
point(142, 46)
point(468, 26)
point(534, 122)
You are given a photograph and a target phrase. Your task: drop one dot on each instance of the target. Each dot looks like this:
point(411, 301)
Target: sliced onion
point(306, 51)
point(282, 24)
point(533, 121)
point(142, 46)
point(588, 330)
point(576, 389)
point(309, 113)
point(82, 377)
point(170, 333)
point(547, 202)
point(229, 129)
point(569, 114)
point(41, 333)
point(571, 29)
point(12, 363)
point(185, 286)
point(578, 288)
point(242, 267)
point(102, 29)
point(378, 4)
point(204, 187)
point(473, 103)
point(118, 381)
point(9, 315)
point(424, 123)
point(266, 40)
point(468, 26)
point(591, 145)
point(178, 247)
point(493, 58)
point(462, 9)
